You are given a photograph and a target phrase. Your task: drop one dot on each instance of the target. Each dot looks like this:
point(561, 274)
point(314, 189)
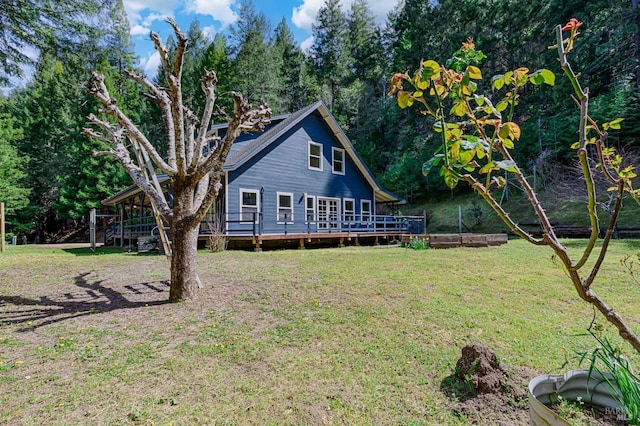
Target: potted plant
point(477, 135)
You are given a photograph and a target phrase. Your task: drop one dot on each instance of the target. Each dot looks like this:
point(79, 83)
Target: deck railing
point(243, 224)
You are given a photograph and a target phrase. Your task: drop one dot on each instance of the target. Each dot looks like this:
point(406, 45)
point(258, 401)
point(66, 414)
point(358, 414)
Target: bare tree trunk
point(184, 242)
point(184, 266)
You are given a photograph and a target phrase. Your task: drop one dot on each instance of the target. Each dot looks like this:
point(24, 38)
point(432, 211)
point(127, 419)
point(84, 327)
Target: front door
point(328, 213)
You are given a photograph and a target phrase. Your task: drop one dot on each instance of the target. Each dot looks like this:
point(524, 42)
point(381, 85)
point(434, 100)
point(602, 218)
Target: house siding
point(288, 156)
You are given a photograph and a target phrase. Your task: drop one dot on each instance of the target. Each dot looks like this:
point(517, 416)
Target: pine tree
point(296, 88)
point(89, 180)
point(216, 58)
point(12, 171)
point(330, 52)
point(255, 68)
point(60, 27)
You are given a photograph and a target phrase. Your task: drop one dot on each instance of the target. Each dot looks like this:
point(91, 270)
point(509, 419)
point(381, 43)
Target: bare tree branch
point(208, 84)
point(121, 154)
point(161, 98)
point(98, 90)
point(245, 119)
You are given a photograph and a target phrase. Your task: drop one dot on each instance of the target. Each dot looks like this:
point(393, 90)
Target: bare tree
point(194, 159)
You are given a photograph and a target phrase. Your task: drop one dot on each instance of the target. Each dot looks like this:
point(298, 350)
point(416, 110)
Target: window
point(315, 156)
point(310, 208)
point(249, 205)
point(365, 210)
point(285, 207)
point(349, 209)
point(338, 160)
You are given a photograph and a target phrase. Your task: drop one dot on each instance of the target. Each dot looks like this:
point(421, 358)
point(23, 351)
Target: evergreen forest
point(49, 179)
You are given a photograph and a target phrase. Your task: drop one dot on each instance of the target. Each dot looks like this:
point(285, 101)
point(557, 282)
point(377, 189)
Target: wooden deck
point(372, 230)
point(320, 239)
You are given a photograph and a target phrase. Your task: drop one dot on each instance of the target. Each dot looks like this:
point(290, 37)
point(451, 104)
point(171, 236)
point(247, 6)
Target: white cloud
point(134, 8)
point(137, 30)
point(306, 44)
point(380, 8)
point(209, 31)
point(219, 10)
point(150, 64)
point(304, 16)
point(153, 17)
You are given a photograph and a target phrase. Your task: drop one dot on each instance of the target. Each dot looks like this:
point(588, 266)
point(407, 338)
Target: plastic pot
point(591, 388)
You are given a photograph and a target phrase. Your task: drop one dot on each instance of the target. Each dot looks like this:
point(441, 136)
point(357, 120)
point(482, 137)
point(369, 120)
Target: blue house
point(301, 179)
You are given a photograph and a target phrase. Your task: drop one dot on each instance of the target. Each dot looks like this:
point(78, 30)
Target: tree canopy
point(62, 28)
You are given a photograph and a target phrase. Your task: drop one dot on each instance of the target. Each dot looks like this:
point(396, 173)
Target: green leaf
point(474, 72)
point(508, 143)
point(404, 99)
point(543, 76)
point(497, 81)
point(450, 179)
point(454, 151)
point(459, 109)
point(502, 105)
point(430, 164)
point(487, 167)
point(615, 124)
point(430, 70)
point(549, 76)
point(508, 165)
point(467, 156)
point(575, 145)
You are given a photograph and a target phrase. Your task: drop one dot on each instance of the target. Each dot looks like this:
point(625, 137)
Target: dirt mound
point(487, 391)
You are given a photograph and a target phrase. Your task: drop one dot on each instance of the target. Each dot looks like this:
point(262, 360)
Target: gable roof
point(253, 148)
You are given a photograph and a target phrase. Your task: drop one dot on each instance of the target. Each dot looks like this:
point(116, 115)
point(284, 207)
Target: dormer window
point(315, 156)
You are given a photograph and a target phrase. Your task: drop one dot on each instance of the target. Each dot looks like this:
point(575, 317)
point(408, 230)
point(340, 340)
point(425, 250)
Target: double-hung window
point(315, 156)
point(249, 207)
point(338, 160)
point(365, 210)
point(349, 209)
point(285, 207)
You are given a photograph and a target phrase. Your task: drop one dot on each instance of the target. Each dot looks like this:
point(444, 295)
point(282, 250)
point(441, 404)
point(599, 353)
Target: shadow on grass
point(92, 299)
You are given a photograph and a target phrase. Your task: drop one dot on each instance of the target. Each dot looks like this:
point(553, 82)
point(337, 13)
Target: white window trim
point(362, 214)
point(333, 161)
point(311, 143)
point(290, 195)
point(307, 210)
point(346, 212)
point(252, 191)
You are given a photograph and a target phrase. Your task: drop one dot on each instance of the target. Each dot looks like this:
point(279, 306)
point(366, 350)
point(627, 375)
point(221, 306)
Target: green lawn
point(357, 335)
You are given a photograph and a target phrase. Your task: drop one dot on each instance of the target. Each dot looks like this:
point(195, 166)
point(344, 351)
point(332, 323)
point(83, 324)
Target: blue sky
point(217, 15)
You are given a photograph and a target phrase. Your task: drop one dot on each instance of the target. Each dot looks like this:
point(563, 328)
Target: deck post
point(424, 222)
point(258, 244)
point(301, 246)
point(341, 243)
